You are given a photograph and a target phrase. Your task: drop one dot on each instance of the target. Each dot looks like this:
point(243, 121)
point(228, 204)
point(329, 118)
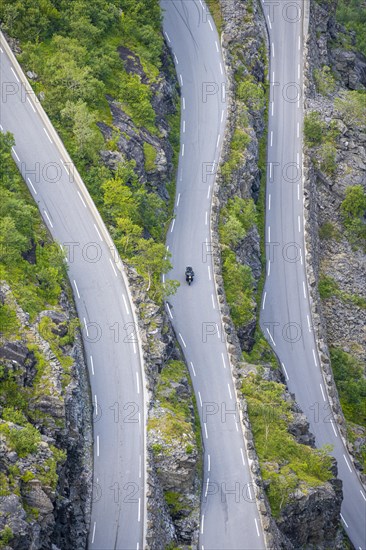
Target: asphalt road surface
point(229, 515)
point(105, 311)
point(285, 314)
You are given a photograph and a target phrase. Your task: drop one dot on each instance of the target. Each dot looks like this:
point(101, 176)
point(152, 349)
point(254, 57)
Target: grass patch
point(285, 464)
point(150, 154)
point(352, 14)
point(351, 385)
point(215, 10)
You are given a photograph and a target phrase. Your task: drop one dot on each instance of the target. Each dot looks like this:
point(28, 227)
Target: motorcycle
point(189, 275)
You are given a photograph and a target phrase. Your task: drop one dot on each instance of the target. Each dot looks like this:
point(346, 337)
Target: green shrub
point(24, 440)
point(353, 212)
point(313, 129)
point(327, 287)
point(150, 157)
point(251, 93)
point(352, 14)
point(238, 285)
point(351, 385)
point(236, 218)
point(328, 231)
point(328, 162)
point(351, 106)
point(6, 535)
point(324, 80)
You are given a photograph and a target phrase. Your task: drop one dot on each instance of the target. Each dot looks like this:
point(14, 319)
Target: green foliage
point(324, 80)
point(327, 287)
point(150, 157)
point(351, 385)
point(328, 154)
point(6, 536)
point(34, 284)
point(286, 464)
point(238, 145)
point(24, 440)
point(175, 503)
point(328, 231)
point(252, 93)
point(313, 129)
point(215, 10)
point(238, 285)
point(135, 98)
point(351, 106)
point(352, 14)
point(236, 218)
point(353, 212)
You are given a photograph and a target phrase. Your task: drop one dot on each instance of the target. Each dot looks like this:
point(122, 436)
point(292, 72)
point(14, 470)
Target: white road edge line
point(303, 288)
point(270, 335)
point(92, 364)
point(202, 523)
point(15, 153)
point(94, 527)
point(334, 430)
point(314, 357)
point(96, 404)
point(178, 199)
point(193, 370)
point(167, 36)
point(207, 483)
point(269, 22)
point(242, 456)
point(15, 74)
point(209, 272)
point(139, 511)
point(172, 227)
point(223, 360)
point(31, 104)
point(125, 302)
point(169, 311)
point(138, 382)
point(363, 496)
point(349, 467)
point(213, 301)
point(86, 327)
point(285, 371)
point(97, 445)
point(47, 134)
point(47, 216)
point(206, 434)
point(209, 463)
point(256, 526)
point(321, 389)
point(211, 27)
point(228, 387)
point(31, 184)
point(264, 299)
point(81, 198)
point(114, 269)
point(99, 235)
point(76, 288)
point(344, 521)
point(183, 342)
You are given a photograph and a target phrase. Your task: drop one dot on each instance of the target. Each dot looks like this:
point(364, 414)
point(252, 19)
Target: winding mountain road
point(104, 307)
point(285, 312)
point(229, 514)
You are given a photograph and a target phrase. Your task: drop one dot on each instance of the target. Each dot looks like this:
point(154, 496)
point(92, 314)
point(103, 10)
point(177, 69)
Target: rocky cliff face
point(46, 432)
point(336, 260)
